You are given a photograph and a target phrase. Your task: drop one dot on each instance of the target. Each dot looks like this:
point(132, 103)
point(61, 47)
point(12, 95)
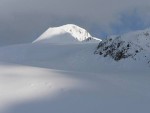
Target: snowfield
point(37, 90)
point(63, 75)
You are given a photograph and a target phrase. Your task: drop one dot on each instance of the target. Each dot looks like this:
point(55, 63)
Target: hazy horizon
point(23, 21)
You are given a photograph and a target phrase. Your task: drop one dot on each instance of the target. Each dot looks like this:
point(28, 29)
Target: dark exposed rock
point(117, 49)
point(136, 51)
point(146, 34)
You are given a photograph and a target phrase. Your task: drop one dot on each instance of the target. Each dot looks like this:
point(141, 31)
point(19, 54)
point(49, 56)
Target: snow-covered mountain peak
point(65, 33)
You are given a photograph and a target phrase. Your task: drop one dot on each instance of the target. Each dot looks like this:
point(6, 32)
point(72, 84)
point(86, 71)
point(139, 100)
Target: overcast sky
point(23, 21)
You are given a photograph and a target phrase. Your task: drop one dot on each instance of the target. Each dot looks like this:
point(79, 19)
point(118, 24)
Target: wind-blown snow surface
point(70, 78)
point(26, 89)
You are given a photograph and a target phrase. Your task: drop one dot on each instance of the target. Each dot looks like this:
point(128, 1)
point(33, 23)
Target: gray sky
point(23, 21)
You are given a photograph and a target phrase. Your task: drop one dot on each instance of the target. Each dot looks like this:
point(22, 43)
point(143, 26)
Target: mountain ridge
point(134, 45)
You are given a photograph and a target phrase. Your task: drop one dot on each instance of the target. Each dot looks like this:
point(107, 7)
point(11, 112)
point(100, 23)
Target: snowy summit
point(66, 33)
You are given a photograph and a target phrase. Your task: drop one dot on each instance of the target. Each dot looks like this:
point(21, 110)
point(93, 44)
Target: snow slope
point(134, 45)
point(26, 89)
point(65, 34)
point(68, 57)
point(60, 77)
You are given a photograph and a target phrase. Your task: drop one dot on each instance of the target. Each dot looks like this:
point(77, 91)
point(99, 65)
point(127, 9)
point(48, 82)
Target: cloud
point(25, 20)
point(129, 21)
